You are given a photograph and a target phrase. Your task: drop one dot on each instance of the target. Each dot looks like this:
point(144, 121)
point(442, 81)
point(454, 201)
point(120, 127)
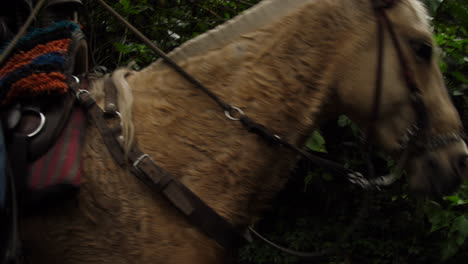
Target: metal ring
point(77, 80)
point(135, 164)
point(117, 113)
point(41, 123)
point(228, 113)
point(113, 114)
point(81, 91)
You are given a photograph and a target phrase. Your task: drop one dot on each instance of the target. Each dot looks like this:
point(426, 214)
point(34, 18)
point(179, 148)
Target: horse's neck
point(280, 76)
point(264, 13)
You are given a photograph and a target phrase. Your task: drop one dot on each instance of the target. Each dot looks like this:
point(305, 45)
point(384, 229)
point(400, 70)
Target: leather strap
point(145, 169)
point(195, 209)
point(110, 97)
point(97, 116)
point(12, 253)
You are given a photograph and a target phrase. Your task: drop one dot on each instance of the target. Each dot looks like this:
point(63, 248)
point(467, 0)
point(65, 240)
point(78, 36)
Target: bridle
point(415, 93)
point(416, 138)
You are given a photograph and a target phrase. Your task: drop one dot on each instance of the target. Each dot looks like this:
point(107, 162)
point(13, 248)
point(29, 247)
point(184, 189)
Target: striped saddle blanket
point(33, 85)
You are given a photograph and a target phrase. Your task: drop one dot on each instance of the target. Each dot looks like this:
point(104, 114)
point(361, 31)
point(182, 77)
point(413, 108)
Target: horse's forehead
point(410, 15)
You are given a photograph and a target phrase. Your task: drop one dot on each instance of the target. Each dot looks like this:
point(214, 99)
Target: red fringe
point(23, 58)
point(38, 83)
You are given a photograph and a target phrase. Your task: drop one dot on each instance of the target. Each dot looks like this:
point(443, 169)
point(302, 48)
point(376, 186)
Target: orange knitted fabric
point(23, 58)
point(38, 83)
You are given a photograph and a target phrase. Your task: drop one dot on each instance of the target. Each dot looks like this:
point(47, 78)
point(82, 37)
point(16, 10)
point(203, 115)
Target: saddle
point(41, 123)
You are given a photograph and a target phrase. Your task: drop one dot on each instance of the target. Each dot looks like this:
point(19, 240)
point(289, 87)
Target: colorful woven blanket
point(35, 72)
point(37, 63)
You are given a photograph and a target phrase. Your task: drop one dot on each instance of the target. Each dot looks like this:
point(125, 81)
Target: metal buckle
point(137, 161)
point(41, 122)
point(238, 110)
point(80, 92)
point(77, 80)
point(113, 114)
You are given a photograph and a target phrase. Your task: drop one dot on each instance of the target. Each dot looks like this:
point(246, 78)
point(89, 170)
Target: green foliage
point(316, 142)
point(449, 219)
point(167, 23)
point(317, 211)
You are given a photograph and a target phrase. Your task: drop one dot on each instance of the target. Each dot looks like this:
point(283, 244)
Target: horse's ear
point(384, 4)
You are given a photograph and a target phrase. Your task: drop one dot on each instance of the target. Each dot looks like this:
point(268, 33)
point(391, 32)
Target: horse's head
point(413, 95)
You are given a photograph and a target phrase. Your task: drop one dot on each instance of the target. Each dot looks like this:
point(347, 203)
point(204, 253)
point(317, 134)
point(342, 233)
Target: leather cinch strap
point(194, 209)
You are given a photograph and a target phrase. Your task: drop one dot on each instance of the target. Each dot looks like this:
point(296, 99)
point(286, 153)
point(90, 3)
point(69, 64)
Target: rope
point(21, 32)
point(333, 250)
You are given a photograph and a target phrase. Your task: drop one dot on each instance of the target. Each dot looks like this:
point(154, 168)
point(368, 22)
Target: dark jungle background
point(317, 211)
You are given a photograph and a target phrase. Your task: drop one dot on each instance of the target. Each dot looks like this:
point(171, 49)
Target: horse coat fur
point(283, 74)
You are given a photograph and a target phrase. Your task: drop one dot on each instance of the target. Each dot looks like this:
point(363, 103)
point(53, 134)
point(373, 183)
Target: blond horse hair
point(124, 100)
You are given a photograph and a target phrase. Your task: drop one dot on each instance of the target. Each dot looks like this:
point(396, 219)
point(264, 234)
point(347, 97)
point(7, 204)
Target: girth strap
point(190, 205)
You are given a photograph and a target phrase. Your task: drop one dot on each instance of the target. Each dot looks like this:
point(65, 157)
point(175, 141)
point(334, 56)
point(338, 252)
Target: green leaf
point(308, 179)
point(455, 200)
point(327, 176)
point(440, 220)
point(456, 238)
point(459, 76)
point(448, 249)
point(343, 121)
point(123, 48)
point(438, 217)
point(459, 229)
point(125, 3)
point(316, 142)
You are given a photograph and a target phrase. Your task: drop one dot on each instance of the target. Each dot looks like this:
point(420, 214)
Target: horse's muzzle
point(439, 172)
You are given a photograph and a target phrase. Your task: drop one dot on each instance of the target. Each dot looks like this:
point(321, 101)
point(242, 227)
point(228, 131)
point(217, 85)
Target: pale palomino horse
point(287, 64)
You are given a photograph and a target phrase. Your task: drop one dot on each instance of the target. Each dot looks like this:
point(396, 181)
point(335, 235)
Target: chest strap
point(196, 211)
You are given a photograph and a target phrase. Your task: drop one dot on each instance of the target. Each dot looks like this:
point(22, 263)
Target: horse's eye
point(423, 50)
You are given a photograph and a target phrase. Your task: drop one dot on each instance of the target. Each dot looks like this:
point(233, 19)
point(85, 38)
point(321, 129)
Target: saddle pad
point(37, 63)
point(3, 178)
point(58, 172)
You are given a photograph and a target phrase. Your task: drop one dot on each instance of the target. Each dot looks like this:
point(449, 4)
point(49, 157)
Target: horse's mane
point(250, 20)
point(124, 100)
